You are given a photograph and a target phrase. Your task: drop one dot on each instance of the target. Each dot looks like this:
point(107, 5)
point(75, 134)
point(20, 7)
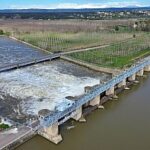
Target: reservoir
point(123, 125)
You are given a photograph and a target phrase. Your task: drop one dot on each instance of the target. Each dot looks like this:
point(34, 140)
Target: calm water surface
point(123, 125)
point(12, 52)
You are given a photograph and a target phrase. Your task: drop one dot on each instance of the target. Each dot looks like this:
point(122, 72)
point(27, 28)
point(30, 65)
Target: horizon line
point(72, 8)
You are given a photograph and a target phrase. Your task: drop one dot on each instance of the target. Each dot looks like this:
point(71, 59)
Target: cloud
point(78, 6)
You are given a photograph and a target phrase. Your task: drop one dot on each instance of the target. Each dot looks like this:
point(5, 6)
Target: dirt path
point(85, 49)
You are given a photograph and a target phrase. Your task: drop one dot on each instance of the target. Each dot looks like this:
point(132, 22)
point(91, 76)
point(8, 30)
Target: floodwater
point(123, 125)
point(12, 52)
point(25, 91)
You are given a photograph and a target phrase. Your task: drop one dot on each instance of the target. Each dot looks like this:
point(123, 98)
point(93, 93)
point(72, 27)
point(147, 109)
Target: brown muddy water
point(123, 125)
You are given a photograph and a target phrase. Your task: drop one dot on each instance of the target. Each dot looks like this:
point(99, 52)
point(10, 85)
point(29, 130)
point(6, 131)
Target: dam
point(51, 93)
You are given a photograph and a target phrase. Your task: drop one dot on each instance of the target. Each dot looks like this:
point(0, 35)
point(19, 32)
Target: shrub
point(4, 126)
point(1, 32)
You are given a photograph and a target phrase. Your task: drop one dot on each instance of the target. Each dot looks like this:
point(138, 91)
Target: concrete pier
point(78, 114)
point(132, 77)
point(95, 101)
point(110, 91)
point(122, 84)
point(52, 133)
point(140, 73)
point(147, 68)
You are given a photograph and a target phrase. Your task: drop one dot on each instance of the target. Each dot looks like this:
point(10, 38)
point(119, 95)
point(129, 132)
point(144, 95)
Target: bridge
point(50, 122)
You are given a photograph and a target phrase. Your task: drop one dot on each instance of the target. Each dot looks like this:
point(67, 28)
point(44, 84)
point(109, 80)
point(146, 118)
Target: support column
point(132, 78)
point(52, 133)
point(78, 114)
point(95, 101)
point(110, 91)
point(122, 84)
point(147, 68)
point(140, 73)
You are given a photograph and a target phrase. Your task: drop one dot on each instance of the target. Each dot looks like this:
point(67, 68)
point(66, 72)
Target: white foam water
point(42, 86)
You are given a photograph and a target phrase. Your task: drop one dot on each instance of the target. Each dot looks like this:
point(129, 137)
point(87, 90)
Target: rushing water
point(43, 86)
point(123, 125)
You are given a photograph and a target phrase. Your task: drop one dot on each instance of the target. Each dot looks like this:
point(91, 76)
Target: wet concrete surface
point(12, 52)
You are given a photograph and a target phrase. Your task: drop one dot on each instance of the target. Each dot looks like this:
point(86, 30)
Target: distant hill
point(90, 14)
point(72, 10)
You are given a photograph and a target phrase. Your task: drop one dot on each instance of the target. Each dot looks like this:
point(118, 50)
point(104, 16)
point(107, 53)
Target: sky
point(53, 4)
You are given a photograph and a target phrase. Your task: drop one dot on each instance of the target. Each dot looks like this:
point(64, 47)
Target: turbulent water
point(44, 86)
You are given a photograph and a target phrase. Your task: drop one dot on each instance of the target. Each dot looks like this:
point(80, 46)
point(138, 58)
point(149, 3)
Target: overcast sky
point(50, 4)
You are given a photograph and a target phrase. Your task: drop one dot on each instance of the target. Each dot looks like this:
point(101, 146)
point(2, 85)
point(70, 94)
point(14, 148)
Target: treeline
point(143, 25)
point(71, 15)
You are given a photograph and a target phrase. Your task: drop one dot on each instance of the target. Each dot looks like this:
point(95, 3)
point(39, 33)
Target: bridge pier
point(140, 73)
point(52, 133)
point(147, 68)
point(78, 114)
point(95, 101)
point(122, 84)
point(132, 77)
point(110, 91)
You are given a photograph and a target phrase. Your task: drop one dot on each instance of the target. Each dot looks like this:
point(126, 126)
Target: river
point(123, 125)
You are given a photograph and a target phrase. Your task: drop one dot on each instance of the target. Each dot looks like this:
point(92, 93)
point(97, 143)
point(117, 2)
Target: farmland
point(66, 35)
point(59, 42)
point(116, 55)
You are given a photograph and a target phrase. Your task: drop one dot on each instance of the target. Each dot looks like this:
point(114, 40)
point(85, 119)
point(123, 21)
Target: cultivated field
point(116, 55)
point(59, 42)
point(66, 35)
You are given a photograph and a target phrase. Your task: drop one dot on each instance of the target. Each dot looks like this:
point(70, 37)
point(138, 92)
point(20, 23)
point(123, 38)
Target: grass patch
point(60, 42)
point(4, 126)
point(118, 55)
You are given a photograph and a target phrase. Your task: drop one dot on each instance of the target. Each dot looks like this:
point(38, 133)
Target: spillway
point(44, 86)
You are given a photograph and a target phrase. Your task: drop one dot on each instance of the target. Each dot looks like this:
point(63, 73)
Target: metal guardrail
point(28, 63)
point(52, 118)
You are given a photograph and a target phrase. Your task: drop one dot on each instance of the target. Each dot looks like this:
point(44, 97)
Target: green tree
point(1, 32)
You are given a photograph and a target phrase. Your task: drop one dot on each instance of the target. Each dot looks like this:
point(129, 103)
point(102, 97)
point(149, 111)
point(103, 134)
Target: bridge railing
point(52, 118)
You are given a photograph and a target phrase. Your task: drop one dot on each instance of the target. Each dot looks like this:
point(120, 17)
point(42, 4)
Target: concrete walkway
point(13, 135)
